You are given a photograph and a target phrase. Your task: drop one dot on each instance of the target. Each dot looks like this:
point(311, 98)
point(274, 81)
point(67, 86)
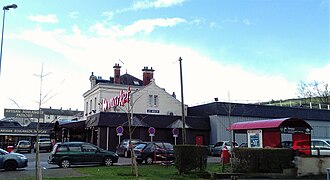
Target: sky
point(239, 50)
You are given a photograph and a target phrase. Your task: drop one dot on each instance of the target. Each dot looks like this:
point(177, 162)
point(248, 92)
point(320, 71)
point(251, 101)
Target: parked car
point(243, 145)
point(123, 148)
point(217, 148)
point(154, 151)
point(320, 146)
point(23, 146)
point(12, 161)
point(45, 144)
point(80, 153)
point(314, 147)
point(301, 147)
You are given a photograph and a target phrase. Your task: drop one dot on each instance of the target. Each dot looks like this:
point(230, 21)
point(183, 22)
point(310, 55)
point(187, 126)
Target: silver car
point(217, 148)
point(320, 146)
point(12, 161)
point(123, 148)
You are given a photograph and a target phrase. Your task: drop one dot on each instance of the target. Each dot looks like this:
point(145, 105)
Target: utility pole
point(182, 106)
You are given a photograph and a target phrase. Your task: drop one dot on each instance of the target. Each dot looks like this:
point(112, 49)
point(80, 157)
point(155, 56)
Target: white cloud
point(79, 55)
point(74, 15)
point(319, 74)
point(246, 22)
point(109, 15)
point(145, 26)
point(50, 18)
point(156, 4)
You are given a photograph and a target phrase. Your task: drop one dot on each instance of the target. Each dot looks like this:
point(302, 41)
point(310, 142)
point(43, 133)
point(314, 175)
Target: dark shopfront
point(11, 132)
point(101, 129)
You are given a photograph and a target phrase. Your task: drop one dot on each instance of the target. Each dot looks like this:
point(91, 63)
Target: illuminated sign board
point(117, 100)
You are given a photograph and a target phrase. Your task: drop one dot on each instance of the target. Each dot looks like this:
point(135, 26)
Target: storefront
point(11, 132)
point(107, 129)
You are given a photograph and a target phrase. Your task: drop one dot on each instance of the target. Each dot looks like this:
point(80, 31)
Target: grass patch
point(146, 172)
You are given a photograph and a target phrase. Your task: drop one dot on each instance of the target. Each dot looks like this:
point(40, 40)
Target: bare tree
point(304, 91)
point(315, 91)
point(321, 91)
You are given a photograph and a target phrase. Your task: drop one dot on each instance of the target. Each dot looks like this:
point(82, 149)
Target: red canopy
point(269, 123)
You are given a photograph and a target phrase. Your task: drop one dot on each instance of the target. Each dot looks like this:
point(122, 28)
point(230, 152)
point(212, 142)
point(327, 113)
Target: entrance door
point(199, 140)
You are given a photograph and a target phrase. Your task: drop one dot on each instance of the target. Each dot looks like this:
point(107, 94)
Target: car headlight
point(22, 157)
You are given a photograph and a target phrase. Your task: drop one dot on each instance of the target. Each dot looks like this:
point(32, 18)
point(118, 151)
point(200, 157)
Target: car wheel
point(65, 163)
point(149, 160)
point(108, 161)
point(10, 166)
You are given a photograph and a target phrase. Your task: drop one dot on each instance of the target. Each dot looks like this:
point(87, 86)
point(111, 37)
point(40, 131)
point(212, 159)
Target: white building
point(145, 96)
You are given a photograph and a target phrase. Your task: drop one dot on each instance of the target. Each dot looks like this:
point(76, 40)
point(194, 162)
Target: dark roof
point(157, 121)
point(269, 124)
point(125, 79)
point(62, 112)
point(33, 125)
point(255, 110)
point(70, 125)
point(130, 80)
point(9, 124)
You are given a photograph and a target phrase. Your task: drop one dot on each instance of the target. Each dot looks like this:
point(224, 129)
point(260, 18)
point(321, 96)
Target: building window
point(155, 100)
point(91, 106)
point(86, 108)
point(95, 103)
point(150, 100)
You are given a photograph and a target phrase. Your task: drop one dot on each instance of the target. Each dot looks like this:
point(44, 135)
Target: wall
point(321, 129)
point(219, 125)
point(166, 105)
point(312, 165)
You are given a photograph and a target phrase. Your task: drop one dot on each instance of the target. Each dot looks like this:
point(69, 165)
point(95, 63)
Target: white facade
point(149, 99)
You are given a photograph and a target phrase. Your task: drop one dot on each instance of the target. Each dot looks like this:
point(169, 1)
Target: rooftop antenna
point(123, 63)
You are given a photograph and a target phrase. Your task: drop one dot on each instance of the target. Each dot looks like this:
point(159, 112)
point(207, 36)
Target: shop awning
point(269, 123)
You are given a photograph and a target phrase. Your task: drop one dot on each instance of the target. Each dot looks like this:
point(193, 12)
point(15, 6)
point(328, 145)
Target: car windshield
point(3, 151)
point(168, 146)
point(44, 140)
point(140, 146)
point(24, 143)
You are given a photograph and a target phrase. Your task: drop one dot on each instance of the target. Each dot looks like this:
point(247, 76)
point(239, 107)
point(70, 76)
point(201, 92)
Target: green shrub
point(190, 157)
point(264, 160)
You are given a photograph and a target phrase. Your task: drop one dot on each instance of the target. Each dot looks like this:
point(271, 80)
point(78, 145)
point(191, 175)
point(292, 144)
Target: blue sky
point(238, 50)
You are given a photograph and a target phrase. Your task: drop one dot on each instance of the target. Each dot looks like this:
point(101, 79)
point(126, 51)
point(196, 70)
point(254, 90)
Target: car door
point(91, 154)
point(75, 153)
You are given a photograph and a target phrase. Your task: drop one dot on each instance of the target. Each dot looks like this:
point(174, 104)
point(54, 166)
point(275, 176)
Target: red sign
point(117, 100)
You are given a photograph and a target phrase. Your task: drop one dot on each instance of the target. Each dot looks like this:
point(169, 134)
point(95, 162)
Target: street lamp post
point(5, 8)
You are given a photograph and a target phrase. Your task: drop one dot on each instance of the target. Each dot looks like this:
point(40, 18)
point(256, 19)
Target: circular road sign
point(120, 130)
point(175, 131)
point(152, 130)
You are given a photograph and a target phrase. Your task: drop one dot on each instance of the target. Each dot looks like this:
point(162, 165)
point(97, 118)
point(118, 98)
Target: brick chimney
point(116, 69)
point(148, 74)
